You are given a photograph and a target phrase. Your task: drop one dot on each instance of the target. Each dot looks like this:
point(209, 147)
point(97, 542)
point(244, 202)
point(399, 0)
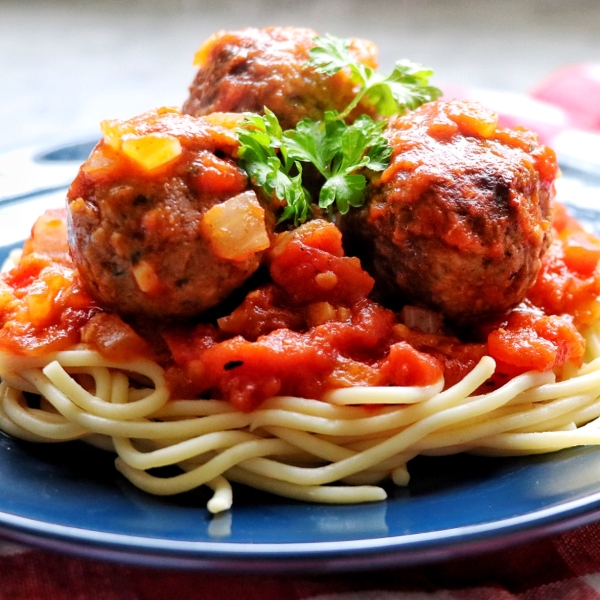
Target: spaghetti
point(292, 447)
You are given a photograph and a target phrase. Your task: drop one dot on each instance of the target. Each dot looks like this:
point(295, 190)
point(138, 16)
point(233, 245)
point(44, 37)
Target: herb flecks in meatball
point(161, 220)
point(459, 221)
point(249, 69)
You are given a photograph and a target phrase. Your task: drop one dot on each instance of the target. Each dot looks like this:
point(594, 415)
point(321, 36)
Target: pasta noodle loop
point(318, 451)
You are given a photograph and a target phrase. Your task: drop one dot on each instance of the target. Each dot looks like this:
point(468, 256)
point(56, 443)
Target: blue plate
point(70, 498)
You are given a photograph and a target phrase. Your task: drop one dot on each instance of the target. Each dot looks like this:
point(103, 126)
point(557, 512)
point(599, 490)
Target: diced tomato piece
point(457, 358)
point(308, 265)
point(348, 373)
point(365, 336)
point(560, 217)
point(407, 366)
point(535, 342)
point(582, 252)
point(259, 314)
point(561, 289)
point(283, 362)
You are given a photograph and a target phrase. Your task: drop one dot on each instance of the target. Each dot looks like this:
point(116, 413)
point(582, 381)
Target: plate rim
point(300, 557)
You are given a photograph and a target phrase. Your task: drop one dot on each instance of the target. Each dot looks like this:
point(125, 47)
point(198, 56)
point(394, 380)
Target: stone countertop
point(64, 66)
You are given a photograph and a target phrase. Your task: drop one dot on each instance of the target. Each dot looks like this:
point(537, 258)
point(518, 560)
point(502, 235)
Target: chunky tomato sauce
point(310, 327)
point(43, 305)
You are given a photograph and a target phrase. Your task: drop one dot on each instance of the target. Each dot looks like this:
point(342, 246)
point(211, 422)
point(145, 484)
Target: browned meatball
point(249, 69)
point(460, 219)
point(161, 220)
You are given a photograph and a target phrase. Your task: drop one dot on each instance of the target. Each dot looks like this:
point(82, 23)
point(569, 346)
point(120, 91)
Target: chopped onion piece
point(236, 228)
point(426, 320)
point(146, 277)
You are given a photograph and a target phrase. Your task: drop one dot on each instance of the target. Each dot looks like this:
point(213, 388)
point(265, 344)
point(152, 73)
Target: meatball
point(460, 219)
point(249, 69)
point(161, 220)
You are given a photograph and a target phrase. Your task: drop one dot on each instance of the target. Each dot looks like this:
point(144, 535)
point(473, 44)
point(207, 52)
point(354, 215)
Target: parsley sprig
point(406, 88)
point(273, 160)
point(264, 156)
point(339, 151)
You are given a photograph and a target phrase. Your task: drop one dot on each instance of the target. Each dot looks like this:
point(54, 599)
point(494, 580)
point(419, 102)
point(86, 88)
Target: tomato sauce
point(42, 302)
point(568, 282)
point(309, 328)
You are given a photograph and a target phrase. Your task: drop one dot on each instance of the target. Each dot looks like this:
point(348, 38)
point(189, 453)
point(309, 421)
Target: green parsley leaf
point(343, 190)
point(298, 202)
point(342, 153)
point(338, 151)
point(406, 88)
point(332, 54)
point(310, 142)
point(351, 149)
point(265, 158)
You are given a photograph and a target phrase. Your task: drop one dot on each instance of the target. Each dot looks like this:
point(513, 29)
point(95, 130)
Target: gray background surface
point(66, 65)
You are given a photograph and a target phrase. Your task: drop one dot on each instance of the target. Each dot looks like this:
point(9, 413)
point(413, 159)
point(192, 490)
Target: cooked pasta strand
point(295, 447)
